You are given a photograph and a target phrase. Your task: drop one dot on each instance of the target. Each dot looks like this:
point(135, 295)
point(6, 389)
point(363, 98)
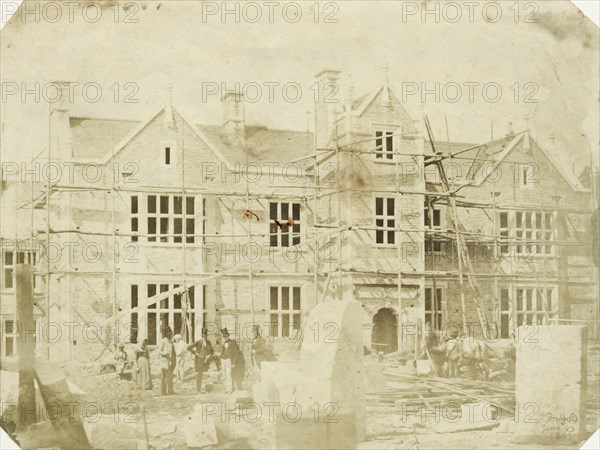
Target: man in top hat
point(167, 361)
point(232, 361)
point(203, 353)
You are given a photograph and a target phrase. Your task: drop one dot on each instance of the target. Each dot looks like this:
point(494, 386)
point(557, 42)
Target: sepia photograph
point(337, 225)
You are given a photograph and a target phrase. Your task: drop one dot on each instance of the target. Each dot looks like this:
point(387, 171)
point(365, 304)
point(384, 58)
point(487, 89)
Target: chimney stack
point(234, 118)
point(60, 128)
point(327, 81)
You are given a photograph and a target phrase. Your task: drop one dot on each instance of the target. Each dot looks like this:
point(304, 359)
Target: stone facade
point(503, 204)
point(356, 201)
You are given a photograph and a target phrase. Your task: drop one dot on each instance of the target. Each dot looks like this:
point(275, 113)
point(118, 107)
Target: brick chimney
point(327, 80)
point(60, 129)
point(234, 118)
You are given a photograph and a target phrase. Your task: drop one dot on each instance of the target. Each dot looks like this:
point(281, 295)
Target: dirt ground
point(132, 417)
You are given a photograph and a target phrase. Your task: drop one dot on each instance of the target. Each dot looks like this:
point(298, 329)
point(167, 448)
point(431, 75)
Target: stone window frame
point(172, 146)
point(382, 144)
point(388, 132)
point(437, 244)
point(386, 218)
point(165, 306)
point(521, 303)
point(523, 225)
point(9, 335)
point(278, 313)
point(19, 256)
point(442, 311)
point(203, 220)
point(165, 223)
point(134, 212)
point(283, 237)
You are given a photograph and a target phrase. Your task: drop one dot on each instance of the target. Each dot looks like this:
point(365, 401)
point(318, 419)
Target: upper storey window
point(384, 145)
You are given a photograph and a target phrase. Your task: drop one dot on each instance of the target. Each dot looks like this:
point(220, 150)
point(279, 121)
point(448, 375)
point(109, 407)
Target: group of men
point(231, 362)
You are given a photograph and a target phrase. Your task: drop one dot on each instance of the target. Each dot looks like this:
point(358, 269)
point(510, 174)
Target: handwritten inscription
point(560, 427)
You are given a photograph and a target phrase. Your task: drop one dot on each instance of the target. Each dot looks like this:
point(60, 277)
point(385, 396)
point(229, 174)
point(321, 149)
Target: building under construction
point(169, 222)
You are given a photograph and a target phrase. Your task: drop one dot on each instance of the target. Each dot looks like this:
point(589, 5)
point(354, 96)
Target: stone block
point(114, 431)
point(551, 371)
point(283, 376)
point(199, 431)
point(424, 367)
point(332, 373)
point(308, 433)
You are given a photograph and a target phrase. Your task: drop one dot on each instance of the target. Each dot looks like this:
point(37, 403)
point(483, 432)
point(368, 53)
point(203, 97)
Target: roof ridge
point(506, 137)
point(264, 127)
point(478, 147)
point(113, 119)
point(437, 141)
point(288, 130)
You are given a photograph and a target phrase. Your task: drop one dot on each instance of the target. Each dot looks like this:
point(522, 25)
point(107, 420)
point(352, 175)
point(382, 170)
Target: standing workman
point(180, 355)
point(168, 359)
point(203, 353)
point(260, 351)
point(232, 361)
point(120, 360)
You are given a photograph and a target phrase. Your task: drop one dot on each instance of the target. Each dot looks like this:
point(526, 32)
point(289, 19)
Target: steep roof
point(94, 137)
point(97, 138)
point(476, 157)
point(489, 152)
point(471, 158)
point(444, 146)
point(263, 144)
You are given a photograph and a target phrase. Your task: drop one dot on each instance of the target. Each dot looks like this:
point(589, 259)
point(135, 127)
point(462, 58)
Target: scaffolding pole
point(48, 276)
point(187, 328)
point(339, 208)
point(463, 257)
point(398, 249)
point(449, 196)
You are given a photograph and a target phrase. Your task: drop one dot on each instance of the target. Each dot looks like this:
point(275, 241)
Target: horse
point(470, 352)
point(438, 351)
point(454, 355)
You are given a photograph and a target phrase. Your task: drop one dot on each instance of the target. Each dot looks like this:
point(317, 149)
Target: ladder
point(461, 246)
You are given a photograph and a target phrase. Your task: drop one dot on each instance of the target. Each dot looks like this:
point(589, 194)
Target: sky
point(543, 56)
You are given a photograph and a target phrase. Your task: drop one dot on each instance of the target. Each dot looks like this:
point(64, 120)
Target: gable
point(478, 162)
point(490, 155)
point(191, 155)
point(542, 156)
point(524, 150)
point(169, 127)
point(383, 106)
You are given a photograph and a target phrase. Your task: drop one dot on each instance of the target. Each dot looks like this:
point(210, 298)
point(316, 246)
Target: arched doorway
point(384, 337)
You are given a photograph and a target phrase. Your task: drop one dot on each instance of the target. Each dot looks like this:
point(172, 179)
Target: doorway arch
point(384, 337)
